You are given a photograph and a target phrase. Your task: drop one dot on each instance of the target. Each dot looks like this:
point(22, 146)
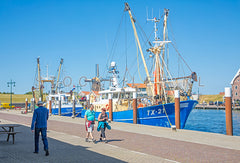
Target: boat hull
point(67, 111)
point(158, 115)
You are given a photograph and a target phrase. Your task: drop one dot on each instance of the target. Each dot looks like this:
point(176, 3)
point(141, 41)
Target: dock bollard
point(134, 107)
point(110, 106)
point(228, 111)
point(88, 101)
point(59, 108)
point(50, 105)
point(74, 107)
point(177, 108)
point(32, 104)
point(26, 105)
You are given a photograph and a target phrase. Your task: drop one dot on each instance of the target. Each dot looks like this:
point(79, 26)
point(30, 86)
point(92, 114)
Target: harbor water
point(212, 121)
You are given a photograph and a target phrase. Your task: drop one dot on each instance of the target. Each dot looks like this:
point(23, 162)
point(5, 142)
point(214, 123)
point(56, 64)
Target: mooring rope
point(167, 115)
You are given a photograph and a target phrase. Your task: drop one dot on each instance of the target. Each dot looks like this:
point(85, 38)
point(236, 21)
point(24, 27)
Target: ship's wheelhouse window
point(105, 96)
point(102, 96)
point(235, 87)
point(129, 95)
point(115, 95)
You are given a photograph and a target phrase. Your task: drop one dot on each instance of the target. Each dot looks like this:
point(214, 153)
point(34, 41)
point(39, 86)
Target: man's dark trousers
point(44, 138)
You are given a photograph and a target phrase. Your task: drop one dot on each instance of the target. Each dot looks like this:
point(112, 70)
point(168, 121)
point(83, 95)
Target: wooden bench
point(9, 133)
point(9, 130)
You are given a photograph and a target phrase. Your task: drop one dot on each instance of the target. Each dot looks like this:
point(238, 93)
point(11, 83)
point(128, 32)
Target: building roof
point(85, 92)
point(95, 92)
point(138, 85)
point(237, 74)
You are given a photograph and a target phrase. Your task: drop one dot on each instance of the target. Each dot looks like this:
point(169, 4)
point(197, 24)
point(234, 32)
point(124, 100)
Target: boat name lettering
point(153, 112)
point(184, 105)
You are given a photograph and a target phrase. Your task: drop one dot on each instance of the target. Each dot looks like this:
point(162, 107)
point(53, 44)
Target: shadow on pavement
point(22, 150)
point(109, 140)
point(112, 140)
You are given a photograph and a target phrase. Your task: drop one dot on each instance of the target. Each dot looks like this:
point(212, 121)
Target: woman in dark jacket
point(102, 124)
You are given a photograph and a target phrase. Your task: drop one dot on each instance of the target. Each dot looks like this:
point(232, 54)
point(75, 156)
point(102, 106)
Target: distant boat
point(56, 95)
point(66, 106)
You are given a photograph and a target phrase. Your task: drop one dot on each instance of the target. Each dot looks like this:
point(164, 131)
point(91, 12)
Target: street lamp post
point(11, 83)
point(199, 85)
point(78, 87)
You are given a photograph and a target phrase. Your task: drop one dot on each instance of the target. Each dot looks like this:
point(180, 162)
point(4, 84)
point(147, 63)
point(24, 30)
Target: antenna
point(155, 20)
point(97, 70)
point(147, 12)
point(199, 83)
point(47, 71)
point(159, 14)
point(152, 12)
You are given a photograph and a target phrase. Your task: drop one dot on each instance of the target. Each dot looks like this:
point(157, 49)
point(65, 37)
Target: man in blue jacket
point(39, 124)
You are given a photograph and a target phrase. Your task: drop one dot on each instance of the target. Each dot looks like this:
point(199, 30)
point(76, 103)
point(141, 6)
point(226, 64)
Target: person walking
point(102, 124)
point(39, 124)
point(89, 123)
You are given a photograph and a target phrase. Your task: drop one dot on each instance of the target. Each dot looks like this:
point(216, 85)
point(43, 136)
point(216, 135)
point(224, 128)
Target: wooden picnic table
point(9, 130)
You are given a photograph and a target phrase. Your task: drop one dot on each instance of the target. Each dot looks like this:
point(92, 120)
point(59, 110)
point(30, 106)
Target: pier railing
point(214, 107)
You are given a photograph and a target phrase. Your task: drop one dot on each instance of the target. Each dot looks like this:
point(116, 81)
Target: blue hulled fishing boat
point(155, 97)
point(62, 101)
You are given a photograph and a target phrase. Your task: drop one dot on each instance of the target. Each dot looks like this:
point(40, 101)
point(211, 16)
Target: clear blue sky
point(82, 33)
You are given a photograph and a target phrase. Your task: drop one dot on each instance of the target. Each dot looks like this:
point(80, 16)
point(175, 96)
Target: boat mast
point(59, 69)
point(157, 49)
point(163, 47)
point(127, 8)
point(39, 79)
point(164, 31)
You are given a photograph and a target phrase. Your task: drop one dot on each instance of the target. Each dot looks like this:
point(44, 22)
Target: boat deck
point(127, 143)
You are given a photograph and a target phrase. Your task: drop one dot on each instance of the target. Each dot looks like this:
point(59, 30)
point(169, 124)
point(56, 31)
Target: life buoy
point(107, 107)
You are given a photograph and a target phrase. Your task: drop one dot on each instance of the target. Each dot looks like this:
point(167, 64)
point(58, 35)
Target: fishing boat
point(156, 102)
point(62, 103)
point(61, 100)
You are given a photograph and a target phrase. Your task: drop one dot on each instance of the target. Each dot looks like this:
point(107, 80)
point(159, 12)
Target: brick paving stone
point(180, 151)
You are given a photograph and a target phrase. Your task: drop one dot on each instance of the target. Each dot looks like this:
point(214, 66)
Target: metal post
point(11, 96)
point(134, 107)
point(50, 105)
point(32, 104)
point(177, 108)
point(88, 101)
point(110, 106)
point(26, 105)
point(11, 83)
point(59, 107)
point(228, 111)
point(73, 99)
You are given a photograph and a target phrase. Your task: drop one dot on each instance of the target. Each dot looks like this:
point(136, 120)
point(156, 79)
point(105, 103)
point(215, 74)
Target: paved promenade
point(127, 143)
